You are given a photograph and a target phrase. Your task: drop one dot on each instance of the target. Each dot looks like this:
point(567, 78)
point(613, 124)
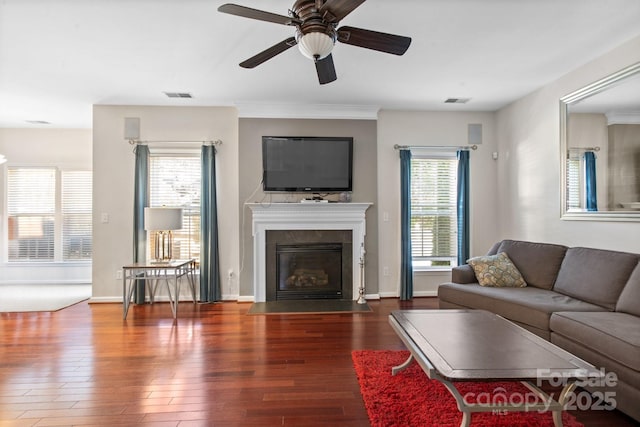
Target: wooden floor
point(215, 366)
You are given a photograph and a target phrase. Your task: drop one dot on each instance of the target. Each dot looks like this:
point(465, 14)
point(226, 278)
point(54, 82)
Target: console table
point(152, 274)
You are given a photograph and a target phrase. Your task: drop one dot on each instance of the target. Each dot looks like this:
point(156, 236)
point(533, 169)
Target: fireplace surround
point(306, 216)
point(308, 264)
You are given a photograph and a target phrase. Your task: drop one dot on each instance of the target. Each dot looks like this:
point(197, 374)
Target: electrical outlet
point(118, 274)
point(385, 271)
point(230, 274)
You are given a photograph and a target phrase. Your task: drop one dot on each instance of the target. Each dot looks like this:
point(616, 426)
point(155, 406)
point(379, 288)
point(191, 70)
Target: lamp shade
point(315, 45)
point(161, 219)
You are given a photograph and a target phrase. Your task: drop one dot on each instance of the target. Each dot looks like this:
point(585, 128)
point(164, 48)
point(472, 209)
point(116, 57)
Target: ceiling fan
point(316, 23)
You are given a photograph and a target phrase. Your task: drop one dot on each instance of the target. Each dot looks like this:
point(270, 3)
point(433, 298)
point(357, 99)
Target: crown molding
point(305, 111)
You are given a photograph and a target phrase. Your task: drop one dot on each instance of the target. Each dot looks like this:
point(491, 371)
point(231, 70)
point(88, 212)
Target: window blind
point(573, 183)
point(76, 215)
point(174, 181)
point(433, 210)
point(31, 209)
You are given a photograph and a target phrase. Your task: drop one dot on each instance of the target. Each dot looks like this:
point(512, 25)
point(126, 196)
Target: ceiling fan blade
point(269, 53)
point(338, 9)
point(260, 15)
point(383, 42)
point(326, 70)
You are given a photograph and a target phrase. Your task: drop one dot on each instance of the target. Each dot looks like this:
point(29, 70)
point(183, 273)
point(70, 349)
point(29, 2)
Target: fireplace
point(309, 264)
point(348, 218)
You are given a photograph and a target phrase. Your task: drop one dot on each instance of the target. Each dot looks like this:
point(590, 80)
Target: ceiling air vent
point(38, 122)
point(178, 94)
point(457, 100)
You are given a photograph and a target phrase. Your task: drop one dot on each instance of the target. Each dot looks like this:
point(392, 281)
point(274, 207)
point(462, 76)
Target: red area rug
point(411, 399)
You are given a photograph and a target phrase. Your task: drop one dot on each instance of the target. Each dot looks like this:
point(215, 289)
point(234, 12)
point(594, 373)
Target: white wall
point(529, 180)
point(69, 148)
point(432, 128)
point(113, 177)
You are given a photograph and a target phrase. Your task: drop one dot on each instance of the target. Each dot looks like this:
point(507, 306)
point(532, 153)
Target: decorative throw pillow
point(497, 271)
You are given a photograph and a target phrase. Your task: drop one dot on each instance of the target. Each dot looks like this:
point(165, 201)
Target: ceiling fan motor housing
point(316, 35)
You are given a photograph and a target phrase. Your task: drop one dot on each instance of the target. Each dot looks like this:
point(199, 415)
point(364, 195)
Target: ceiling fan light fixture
point(315, 45)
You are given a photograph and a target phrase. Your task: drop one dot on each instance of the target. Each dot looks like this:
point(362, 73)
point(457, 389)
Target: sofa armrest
point(463, 274)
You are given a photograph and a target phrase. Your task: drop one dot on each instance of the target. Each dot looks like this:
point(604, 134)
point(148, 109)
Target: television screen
point(307, 164)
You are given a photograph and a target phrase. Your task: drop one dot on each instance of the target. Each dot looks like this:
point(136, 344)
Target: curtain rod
point(437, 147)
point(210, 142)
point(596, 148)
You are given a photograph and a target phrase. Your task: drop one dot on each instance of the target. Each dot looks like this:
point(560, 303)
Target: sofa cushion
point(494, 249)
point(595, 275)
point(615, 335)
point(538, 262)
point(625, 374)
point(629, 301)
point(496, 270)
point(531, 306)
point(463, 274)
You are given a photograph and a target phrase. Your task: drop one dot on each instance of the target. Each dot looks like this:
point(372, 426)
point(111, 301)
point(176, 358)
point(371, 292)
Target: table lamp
point(162, 221)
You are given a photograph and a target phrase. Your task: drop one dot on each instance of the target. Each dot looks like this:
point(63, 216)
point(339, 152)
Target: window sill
point(20, 264)
point(426, 271)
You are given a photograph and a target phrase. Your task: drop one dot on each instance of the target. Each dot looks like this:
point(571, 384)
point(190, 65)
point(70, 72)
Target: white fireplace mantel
point(305, 216)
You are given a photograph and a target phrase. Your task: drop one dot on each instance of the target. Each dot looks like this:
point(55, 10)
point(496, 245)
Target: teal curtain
point(463, 206)
point(210, 290)
point(406, 265)
point(590, 181)
point(140, 200)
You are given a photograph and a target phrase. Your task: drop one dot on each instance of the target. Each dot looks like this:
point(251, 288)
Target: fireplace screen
point(312, 271)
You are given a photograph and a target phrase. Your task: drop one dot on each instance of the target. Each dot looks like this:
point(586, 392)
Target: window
point(76, 215)
point(174, 181)
point(574, 167)
point(49, 215)
point(434, 242)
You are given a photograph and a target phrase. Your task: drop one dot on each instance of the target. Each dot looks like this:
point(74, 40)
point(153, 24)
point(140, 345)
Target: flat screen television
point(307, 164)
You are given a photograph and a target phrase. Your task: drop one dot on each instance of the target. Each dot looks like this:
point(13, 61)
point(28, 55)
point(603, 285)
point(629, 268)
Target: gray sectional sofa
point(584, 300)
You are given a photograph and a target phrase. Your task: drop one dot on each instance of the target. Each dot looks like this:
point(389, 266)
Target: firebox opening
point(309, 271)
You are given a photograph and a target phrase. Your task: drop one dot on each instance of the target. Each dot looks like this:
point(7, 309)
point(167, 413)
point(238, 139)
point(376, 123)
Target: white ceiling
point(58, 58)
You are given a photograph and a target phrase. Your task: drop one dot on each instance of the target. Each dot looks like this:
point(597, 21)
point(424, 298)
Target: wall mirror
point(600, 149)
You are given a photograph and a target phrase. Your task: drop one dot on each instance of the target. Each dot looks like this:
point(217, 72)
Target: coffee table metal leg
point(562, 399)
point(462, 405)
point(404, 365)
point(557, 418)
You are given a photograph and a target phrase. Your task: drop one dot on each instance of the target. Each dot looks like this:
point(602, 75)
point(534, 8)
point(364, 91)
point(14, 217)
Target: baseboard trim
point(425, 294)
point(415, 294)
point(159, 298)
point(104, 300)
point(44, 282)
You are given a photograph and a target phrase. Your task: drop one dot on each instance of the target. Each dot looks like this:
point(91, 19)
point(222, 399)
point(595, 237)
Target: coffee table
point(476, 345)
